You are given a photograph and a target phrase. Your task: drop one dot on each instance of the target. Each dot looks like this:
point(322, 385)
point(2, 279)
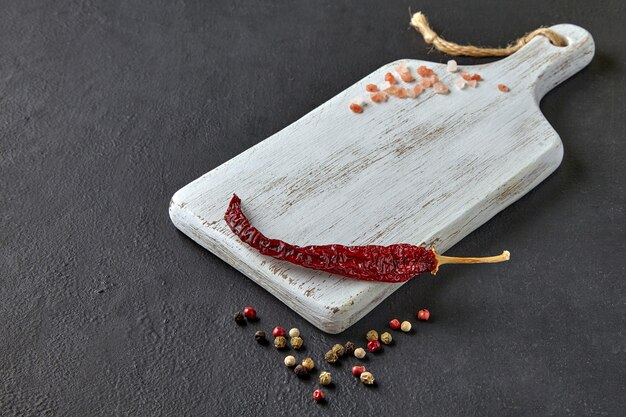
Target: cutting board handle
point(540, 66)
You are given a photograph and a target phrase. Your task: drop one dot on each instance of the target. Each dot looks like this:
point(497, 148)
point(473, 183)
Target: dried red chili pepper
point(393, 263)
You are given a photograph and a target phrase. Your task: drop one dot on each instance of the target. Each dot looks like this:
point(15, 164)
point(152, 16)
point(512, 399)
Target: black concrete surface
point(108, 107)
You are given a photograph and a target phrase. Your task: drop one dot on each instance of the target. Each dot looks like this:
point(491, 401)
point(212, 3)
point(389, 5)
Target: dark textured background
point(108, 107)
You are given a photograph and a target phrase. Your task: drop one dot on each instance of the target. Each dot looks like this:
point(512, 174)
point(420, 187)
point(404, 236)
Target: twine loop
point(419, 22)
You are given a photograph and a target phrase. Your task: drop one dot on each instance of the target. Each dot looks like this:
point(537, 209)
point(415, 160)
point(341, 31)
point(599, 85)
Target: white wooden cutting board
point(428, 170)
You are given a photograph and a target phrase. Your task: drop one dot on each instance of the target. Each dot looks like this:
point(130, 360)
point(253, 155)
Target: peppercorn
point(250, 313)
point(296, 342)
point(371, 335)
point(280, 342)
point(386, 338)
point(259, 336)
point(300, 371)
point(423, 314)
point(239, 318)
point(359, 353)
point(279, 331)
point(367, 378)
point(326, 378)
point(358, 370)
point(331, 357)
point(394, 324)
point(308, 364)
point(294, 332)
point(349, 347)
point(405, 326)
point(318, 395)
point(290, 361)
point(339, 350)
point(374, 346)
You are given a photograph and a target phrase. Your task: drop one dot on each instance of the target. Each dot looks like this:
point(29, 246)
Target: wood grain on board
point(428, 170)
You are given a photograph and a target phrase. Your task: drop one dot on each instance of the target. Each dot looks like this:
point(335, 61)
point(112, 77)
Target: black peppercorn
point(259, 336)
point(301, 371)
point(349, 347)
point(239, 318)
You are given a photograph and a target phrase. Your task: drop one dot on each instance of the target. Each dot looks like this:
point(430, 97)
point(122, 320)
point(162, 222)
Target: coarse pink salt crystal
point(356, 108)
point(440, 88)
point(404, 72)
point(424, 71)
point(379, 97)
point(452, 66)
point(390, 78)
point(406, 77)
point(426, 83)
point(472, 83)
point(411, 92)
point(418, 89)
point(392, 90)
point(433, 79)
point(401, 93)
point(460, 83)
point(503, 88)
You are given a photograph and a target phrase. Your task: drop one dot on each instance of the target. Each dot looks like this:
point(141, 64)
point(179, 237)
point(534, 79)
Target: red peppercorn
point(250, 313)
point(358, 370)
point(318, 395)
point(374, 346)
point(423, 314)
point(279, 331)
point(394, 324)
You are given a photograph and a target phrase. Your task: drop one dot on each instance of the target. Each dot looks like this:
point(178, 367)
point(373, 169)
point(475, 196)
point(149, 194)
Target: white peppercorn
point(405, 326)
point(294, 332)
point(290, 361)
point(359, 353)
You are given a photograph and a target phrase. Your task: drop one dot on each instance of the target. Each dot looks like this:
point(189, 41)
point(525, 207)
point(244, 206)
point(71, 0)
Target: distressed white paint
point(428, 170)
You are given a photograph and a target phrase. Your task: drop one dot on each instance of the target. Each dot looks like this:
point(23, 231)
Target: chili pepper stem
point(442, 260)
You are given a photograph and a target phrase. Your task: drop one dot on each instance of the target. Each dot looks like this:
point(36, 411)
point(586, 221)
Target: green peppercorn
point(367, 378)
point(300, 371)
point(259, 336)
point(326, 378)
point(338, 349)
point(371, 335)
point(296, 342)
point(280, 342)
point(239, 318)
point(386, 338)
point(331, 357)
point(349, 347)
point(308, 364)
